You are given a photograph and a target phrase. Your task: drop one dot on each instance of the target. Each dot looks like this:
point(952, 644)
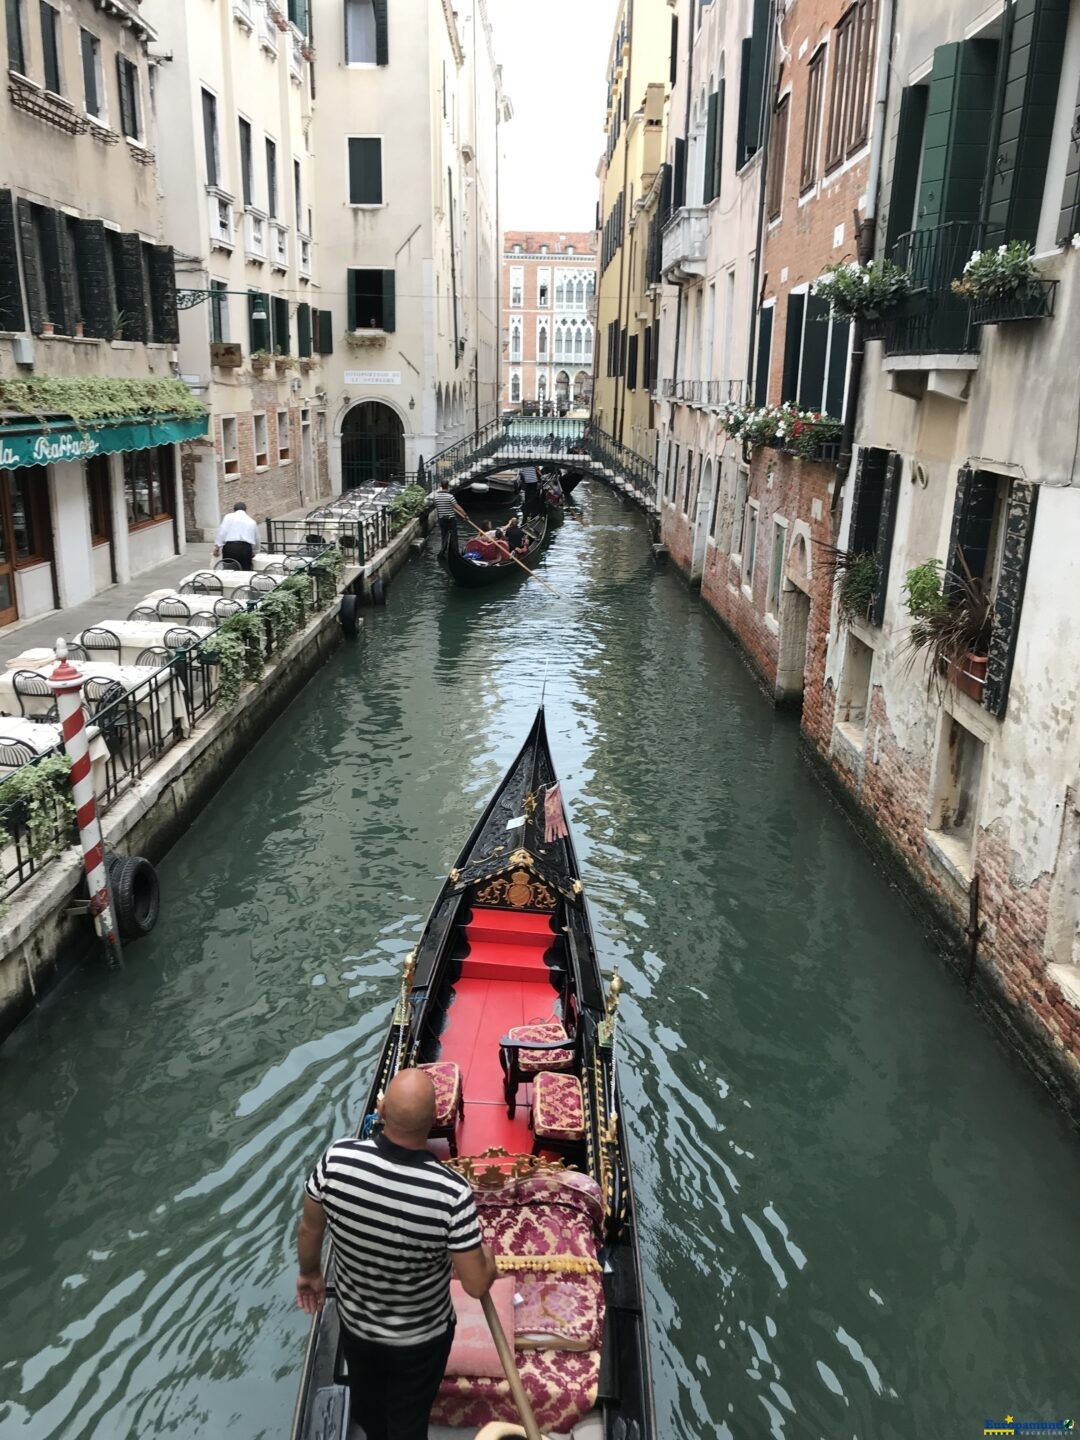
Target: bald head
point(408, 1108)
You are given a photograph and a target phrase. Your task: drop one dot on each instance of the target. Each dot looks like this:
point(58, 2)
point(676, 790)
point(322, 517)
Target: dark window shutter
point(326, 332)
point(55, 272)
point(646, 358)
point(632, 363)
point(965, 480)
point(815, 342)
point(351, 292)
point(1032, 76)
point(764, 355)
point(886, 527)
point(127, 119)
point(382, 34)
point(91, 256)
point(1069, 220)
point(718, 157)
point(163, 294)
point(958, 120)
point(754, 78)
point(389, 298)
point(866, 500)
point(709, 191)
point(303, 330)
point(365, 171)
point(673, 61)
point(1009, 601)
point(35, 287)
point(741, 152)
point(678, 198)
point(905, 176)
point(50, 20)
point(209, 119)
point(130, 295)
point(12, 316)
point(280, 313)
point(792, 347)
point(838, 367)
point(258, 330)
point(665, 194)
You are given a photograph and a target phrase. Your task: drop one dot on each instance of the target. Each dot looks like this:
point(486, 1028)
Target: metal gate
point(372, 445)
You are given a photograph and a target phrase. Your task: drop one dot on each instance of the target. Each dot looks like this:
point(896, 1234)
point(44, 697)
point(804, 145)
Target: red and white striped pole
point(66, 683)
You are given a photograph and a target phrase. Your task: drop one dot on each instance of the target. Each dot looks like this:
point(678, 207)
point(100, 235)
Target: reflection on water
point(859, 1215)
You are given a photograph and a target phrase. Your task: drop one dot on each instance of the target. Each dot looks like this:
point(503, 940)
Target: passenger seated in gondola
point(485, 545)
point(514, 537)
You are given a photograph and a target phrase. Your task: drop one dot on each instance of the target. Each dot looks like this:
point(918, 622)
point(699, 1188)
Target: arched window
point(541, 342)
point(541, 388)
point(515, 341)
point(579, 341)
point(515, 388)
point(579, 295)
point(560, 294)
point(588, 342)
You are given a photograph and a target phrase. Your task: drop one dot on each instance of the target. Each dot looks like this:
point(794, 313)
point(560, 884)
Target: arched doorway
point(562, 388)
point(541, 389)
point(582, 388)
point(372, 445)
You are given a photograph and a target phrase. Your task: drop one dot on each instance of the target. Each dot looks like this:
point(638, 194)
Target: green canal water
point(859, 1213)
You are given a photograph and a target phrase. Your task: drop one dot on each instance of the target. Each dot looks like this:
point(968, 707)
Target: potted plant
point(855, 577)
point(284, 362)
point(118, 323)
point(47, 327)
point(869, 293)
point(805, 433)
point(260, 361)
point(1005, 284)
point(952, 620)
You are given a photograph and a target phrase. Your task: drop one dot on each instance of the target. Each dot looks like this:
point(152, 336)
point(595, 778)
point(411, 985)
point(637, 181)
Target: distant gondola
point(506, 967)
point(473, 573)
point(570, 480)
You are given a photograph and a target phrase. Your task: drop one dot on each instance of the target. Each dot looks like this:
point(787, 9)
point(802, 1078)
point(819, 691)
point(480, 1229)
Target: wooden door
point(99, 493)
point(9, 610)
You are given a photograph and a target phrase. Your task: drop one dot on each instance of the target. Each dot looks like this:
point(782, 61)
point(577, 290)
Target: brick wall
point(276, 487)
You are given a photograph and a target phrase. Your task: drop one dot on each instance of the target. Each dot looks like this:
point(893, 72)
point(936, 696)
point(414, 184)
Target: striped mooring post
point(66, 683)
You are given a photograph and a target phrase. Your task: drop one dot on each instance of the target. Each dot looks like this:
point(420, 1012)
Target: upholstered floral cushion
point(561, 1384)
point(446, 1077)
point(558, 1107)
point(473, 1351)
point(558, 1312)
point(532, 1060)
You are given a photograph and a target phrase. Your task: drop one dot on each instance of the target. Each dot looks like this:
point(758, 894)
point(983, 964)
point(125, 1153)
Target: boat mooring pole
point(66, 683)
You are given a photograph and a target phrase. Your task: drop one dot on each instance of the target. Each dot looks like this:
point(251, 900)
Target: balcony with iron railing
point(933, 323)
point(702, 393)
point(305, 256)
point(685, 245)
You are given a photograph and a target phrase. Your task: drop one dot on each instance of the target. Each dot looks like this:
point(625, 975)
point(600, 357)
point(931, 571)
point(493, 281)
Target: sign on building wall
point(372, 377)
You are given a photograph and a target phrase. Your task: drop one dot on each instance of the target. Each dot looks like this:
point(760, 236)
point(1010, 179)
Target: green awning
point(57, 442)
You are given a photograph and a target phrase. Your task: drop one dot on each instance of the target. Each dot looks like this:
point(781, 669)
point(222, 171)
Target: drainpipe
point(759, 248)
point(864, 241)
point(624, 102)
point(686, 168)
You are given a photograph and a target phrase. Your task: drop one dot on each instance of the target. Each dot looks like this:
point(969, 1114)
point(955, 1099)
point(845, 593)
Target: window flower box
point(968, 674)
point(1032, 304)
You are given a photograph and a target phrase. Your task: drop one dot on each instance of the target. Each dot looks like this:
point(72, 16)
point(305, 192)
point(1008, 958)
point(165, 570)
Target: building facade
point(408, 131)
point(631, 175)
point(91, 418)
point(548, 294)
point(238, 94)
point(951, 724)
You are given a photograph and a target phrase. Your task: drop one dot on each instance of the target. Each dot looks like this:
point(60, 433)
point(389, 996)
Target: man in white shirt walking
point(238, 537)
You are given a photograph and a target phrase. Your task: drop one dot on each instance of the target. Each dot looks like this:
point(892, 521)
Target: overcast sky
point(554, 57)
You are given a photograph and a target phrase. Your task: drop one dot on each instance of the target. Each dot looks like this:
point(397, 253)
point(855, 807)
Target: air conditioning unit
point(22, 350)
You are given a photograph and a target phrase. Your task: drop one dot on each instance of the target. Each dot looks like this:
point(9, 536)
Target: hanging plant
point(237, 649)
point(782, 427)
point(282, 608)
point(952, 620)
point(854, 291)
point(98, 398)
point(327, 569)
point(856, 580)
point(1007, 272)
point(36, 805)
point(298, 586)
point(406, 507)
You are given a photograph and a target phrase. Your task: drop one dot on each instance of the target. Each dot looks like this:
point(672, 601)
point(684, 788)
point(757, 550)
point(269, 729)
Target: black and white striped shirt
point(394, 1216)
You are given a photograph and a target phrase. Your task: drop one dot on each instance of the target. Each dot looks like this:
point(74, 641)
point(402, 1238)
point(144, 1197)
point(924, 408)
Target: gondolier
point(532, 503)
point(399, 1220)
point(446, 510)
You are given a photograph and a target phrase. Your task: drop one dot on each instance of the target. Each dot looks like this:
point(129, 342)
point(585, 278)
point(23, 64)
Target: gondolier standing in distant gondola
point(446, 509)
point(532, 504)
point(399, 1220)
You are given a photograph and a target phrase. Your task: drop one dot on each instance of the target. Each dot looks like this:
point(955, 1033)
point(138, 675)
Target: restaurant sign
point(60, 444)
point(372, 377)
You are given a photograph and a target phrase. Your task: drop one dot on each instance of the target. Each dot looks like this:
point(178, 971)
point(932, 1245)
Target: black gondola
point(473, 573)
point(570, 480)
point(507, 967)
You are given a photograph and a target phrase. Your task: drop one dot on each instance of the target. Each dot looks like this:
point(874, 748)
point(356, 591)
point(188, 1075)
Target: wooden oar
point(513, 557)
point(510, 1370)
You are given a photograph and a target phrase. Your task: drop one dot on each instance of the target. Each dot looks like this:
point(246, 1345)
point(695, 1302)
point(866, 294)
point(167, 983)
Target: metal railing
point(358, 536)
point(21, 859)
point(702, 392)
point(932, 320)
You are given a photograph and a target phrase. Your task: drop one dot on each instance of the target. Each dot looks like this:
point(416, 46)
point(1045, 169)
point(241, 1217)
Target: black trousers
point(446, 529)
point(240, 551)
point(393, 1387)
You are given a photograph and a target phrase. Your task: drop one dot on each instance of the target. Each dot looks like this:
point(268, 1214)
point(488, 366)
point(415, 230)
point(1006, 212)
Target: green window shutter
point(718, 158)
point(35, 287)
point(884, 541)
point(753, 114)
point(964, 484)
point(709, 192)
point(959, 114)
point(258, 330)
point(365, 171)
point(12, 316)
point(91, 256)
point(54, 272)
point(326, 332)
point(351, 290)
point(127, 119)
point(282, 339)
point(389, 300)
point(1032, 76)
point(130, 295)
point(905, 175)
point(796, 306)
point(741, 152)
point(764, 355)
point(1009, 600)
point(632, 363)
point(303, 330)
point(382, 34)
point(163, 294)
point(836, 379)
point(1069, 219)
point(678, 198)
point(811, 395)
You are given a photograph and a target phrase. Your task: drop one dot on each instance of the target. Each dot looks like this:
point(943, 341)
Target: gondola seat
point(558, 1112)
point(449, 1101)
point(530, 1061)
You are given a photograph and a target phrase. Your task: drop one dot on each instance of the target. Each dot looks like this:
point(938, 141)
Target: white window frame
point(772, 600)
point(284, 455)
point(256, 417)
point(517, 287)
point(349, 63)
point(515, 376)
point(230, 455)
point(749, 552)
point(102, 117)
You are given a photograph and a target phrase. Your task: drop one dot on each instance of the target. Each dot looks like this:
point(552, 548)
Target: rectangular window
point(365, 170)
point(815, 356)
point(852, 82)
point(148, 485)
point(230, 454)
point(873, 518)
point(764, 354)
point(543, 289)
point(959, 778)
point(371, 300)
point(31, 527)
point(127, 76)
point(366, 32)
point(303, 330)
point(219, 313)
point(777, 157)
point(853, 696)
point(279, 314)
point(776, 569)
point(815, 91)
point(283, 447)
point(752, 85)
point(751, 542)
point(93, 89)
point(99, 498)
point(738, 514)
point(689, 482)
point(210, 137)
point(50, 46)
point(517, 286)
point(258, 322)
point(632, 363)
point(261, 450)
point(16, 44)
point(247, 162)
point(298, 196)
point(271, 179)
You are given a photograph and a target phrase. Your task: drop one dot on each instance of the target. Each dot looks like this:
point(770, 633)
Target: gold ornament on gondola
point(605, 1031)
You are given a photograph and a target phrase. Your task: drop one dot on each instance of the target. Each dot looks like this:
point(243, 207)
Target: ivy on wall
point(99, 398)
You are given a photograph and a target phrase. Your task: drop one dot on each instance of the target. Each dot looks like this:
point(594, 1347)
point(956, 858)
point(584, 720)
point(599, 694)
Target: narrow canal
point(860, 1214)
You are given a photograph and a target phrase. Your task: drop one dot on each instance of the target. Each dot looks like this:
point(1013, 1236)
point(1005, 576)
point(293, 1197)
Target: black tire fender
point(378, 592)
point(349, 614)
point(136, 895)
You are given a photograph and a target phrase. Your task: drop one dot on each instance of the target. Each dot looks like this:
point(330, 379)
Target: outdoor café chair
point(155, 655)
point(119, 724)
point(143, 612)
point(243, 593)
point(173, 610)
point(263, 583)
point(274, 568)
point(76, 652)
point(32, 682)
point(181, 638)
point(227, 564)
point(203, 620)
point(14, 753)
point(97, 637)
point(294, 563)
point(224, 608)
point(206, 583)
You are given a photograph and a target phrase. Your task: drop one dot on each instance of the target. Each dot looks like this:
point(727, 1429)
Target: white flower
point(975, 255)
point(1002, 249)
point(1076, 241)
